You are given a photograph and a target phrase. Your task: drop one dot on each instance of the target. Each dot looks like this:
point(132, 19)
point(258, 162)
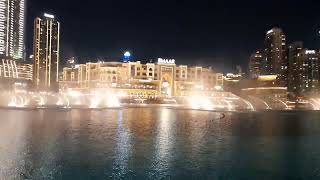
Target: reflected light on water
point(164, 134)
point(165, 140)
point(158, 143)
point(123, 149)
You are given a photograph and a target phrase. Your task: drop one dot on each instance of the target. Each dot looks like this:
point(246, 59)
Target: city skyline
point(151, 34)
point(162, 89)
point(288, 68)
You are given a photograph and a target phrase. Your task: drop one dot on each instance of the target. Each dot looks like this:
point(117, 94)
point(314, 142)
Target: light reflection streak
point(164, 142)
point(123, 149)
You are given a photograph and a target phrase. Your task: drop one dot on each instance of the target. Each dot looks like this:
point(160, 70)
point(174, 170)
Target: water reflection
point(165, 140)
point(123, 149)
point(13, 145)
point(151, 143)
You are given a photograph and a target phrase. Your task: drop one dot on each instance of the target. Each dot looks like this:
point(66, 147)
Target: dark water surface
point(158, 144)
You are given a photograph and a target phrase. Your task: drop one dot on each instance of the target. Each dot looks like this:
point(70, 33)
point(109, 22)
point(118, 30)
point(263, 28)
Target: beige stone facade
point(136, 78)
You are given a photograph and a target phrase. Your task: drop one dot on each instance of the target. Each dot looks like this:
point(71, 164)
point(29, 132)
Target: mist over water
point(158, 143)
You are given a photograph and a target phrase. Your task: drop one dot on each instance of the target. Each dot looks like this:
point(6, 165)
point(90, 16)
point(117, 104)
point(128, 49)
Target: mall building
point(164, 78)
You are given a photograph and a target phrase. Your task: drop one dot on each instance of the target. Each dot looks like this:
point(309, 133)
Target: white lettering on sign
point(166, 61)
point(310, 52)
point(3, 9)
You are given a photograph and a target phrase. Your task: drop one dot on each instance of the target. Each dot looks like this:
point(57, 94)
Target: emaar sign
point(166, 61)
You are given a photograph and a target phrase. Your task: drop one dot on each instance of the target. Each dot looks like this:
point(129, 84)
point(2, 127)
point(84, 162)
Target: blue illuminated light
point(126, 56)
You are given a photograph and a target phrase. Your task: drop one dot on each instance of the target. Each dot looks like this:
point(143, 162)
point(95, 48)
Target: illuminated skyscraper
point(295, 67)
point(12, 27)
point(308, 77)
point(255, 63)
point(275, 59)
point(46, 52)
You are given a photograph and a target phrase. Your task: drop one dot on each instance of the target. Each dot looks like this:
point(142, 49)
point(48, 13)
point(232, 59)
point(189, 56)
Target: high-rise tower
point(295, 68)
point(12, 28)
point(255, 63)
point(46, 52)
point(275, 60)
point(308, 76)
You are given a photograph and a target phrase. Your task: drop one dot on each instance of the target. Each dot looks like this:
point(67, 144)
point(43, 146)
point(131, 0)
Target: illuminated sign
point(310, 52)
point(267, 78)
point(166, 61)
point(48, 15)
point(3, 9)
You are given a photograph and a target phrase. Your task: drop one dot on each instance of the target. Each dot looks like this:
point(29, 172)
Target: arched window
point(114, 79)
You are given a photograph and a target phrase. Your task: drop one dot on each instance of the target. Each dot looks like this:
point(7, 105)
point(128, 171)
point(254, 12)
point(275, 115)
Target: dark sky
point(220, 33)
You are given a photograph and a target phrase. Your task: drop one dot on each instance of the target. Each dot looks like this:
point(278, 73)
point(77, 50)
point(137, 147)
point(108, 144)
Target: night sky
point(219, 33)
